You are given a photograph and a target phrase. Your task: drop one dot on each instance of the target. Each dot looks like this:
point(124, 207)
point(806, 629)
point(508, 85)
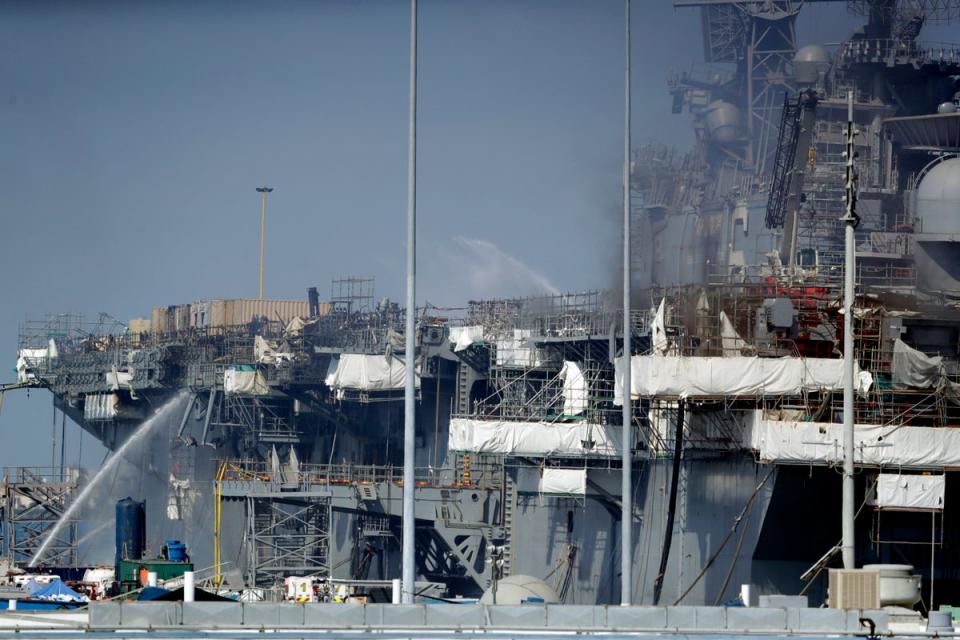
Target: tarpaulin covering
point(245, 382)
point(910, 491)
point(674, 376)
point(367, 373)
point(28, 359)
point(518, 351)
point(729, 338)
point(463, 337)
point(100, 406)
point(574, 389)
point(533, 438)
point(267, 352)
point(820, 442)
point(563, 481)
point(119, 379)
point(60, 592)
point(912, 368)
point(658, 330)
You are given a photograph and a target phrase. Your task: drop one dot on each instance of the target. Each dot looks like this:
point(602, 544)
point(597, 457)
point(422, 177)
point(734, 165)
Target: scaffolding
point(34, 501)
point(287, 535)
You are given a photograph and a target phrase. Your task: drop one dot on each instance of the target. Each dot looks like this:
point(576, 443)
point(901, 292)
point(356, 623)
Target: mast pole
point(626, 499)
point(409, 396)
point(850, 221)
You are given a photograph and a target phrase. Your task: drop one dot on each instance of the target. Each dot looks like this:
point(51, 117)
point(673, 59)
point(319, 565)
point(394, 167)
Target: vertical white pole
point(263, 233)
point(189, 587)
point(409, 397)
point(626, 515)
point(396, 592)
point(849, 267)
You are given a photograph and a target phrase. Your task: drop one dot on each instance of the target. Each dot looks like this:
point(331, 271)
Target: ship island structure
point(282, 455)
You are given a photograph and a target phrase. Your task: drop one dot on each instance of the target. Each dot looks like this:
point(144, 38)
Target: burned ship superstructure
point(284, 459)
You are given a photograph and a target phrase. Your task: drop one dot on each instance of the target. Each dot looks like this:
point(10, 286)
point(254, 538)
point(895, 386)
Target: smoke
point(478, 268)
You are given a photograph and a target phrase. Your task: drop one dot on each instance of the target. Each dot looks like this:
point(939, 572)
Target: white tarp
point(266, 352)
point(658, 331)
point(912, 368)
point(463, 337)
point(294, 327)
point(366, 372)
point(244, 382)
point(533, 438)
point(910, 491)
point(100, 406)
point(119, 379)
point(574, 389)
point(820, 442)
point(28, 359)
point(730, 340)
point(563, 481)
point(517, 351)
point(684, 377)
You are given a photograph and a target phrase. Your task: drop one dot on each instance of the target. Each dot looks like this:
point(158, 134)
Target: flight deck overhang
point(933, 132)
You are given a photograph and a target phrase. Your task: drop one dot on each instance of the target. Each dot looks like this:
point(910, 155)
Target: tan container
point(170, 319)
point(226, 313)
point(139, 325)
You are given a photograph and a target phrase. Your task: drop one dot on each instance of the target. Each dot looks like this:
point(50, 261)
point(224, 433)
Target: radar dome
point(938, 198)
point(521, 589)
point(723, 122)
point(809, 62)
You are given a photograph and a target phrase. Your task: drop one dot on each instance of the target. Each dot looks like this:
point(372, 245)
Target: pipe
point(672, 508)
point(626, 490)
point(409, 395)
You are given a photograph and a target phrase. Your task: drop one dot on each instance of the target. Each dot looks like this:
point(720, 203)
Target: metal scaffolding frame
point(287, 535)
point(34, 500)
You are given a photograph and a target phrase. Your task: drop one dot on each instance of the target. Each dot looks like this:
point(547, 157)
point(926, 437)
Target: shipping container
point(213, 314)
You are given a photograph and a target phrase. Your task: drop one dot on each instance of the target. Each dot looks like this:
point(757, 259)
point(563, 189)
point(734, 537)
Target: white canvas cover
point(100, 406)
point(533, 438)
point(563, 481)
point(366, 372)
point(28, 359)
point(119, 379)
point(730, 340)
point(516, 351)
point(266, 352)
point(574, 389)
point(658, 331)
point(912, 368)
point(875, 445)
point(463, 337)
point(910, 491)
point(244, 382)
point(690, 377)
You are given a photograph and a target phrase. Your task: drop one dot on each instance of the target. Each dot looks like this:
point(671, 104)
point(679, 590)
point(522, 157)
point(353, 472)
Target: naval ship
point(279, 446)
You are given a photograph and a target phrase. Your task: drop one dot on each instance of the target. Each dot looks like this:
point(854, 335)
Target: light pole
point(626, 498)
point(408, 565)
point(850, 221)
point(263, 191)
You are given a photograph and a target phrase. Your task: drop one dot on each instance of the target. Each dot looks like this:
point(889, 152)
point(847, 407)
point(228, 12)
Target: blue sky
point(135, 132)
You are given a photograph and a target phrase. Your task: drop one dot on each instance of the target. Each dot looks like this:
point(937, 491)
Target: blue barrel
point(131, 529)
point(176, 551)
